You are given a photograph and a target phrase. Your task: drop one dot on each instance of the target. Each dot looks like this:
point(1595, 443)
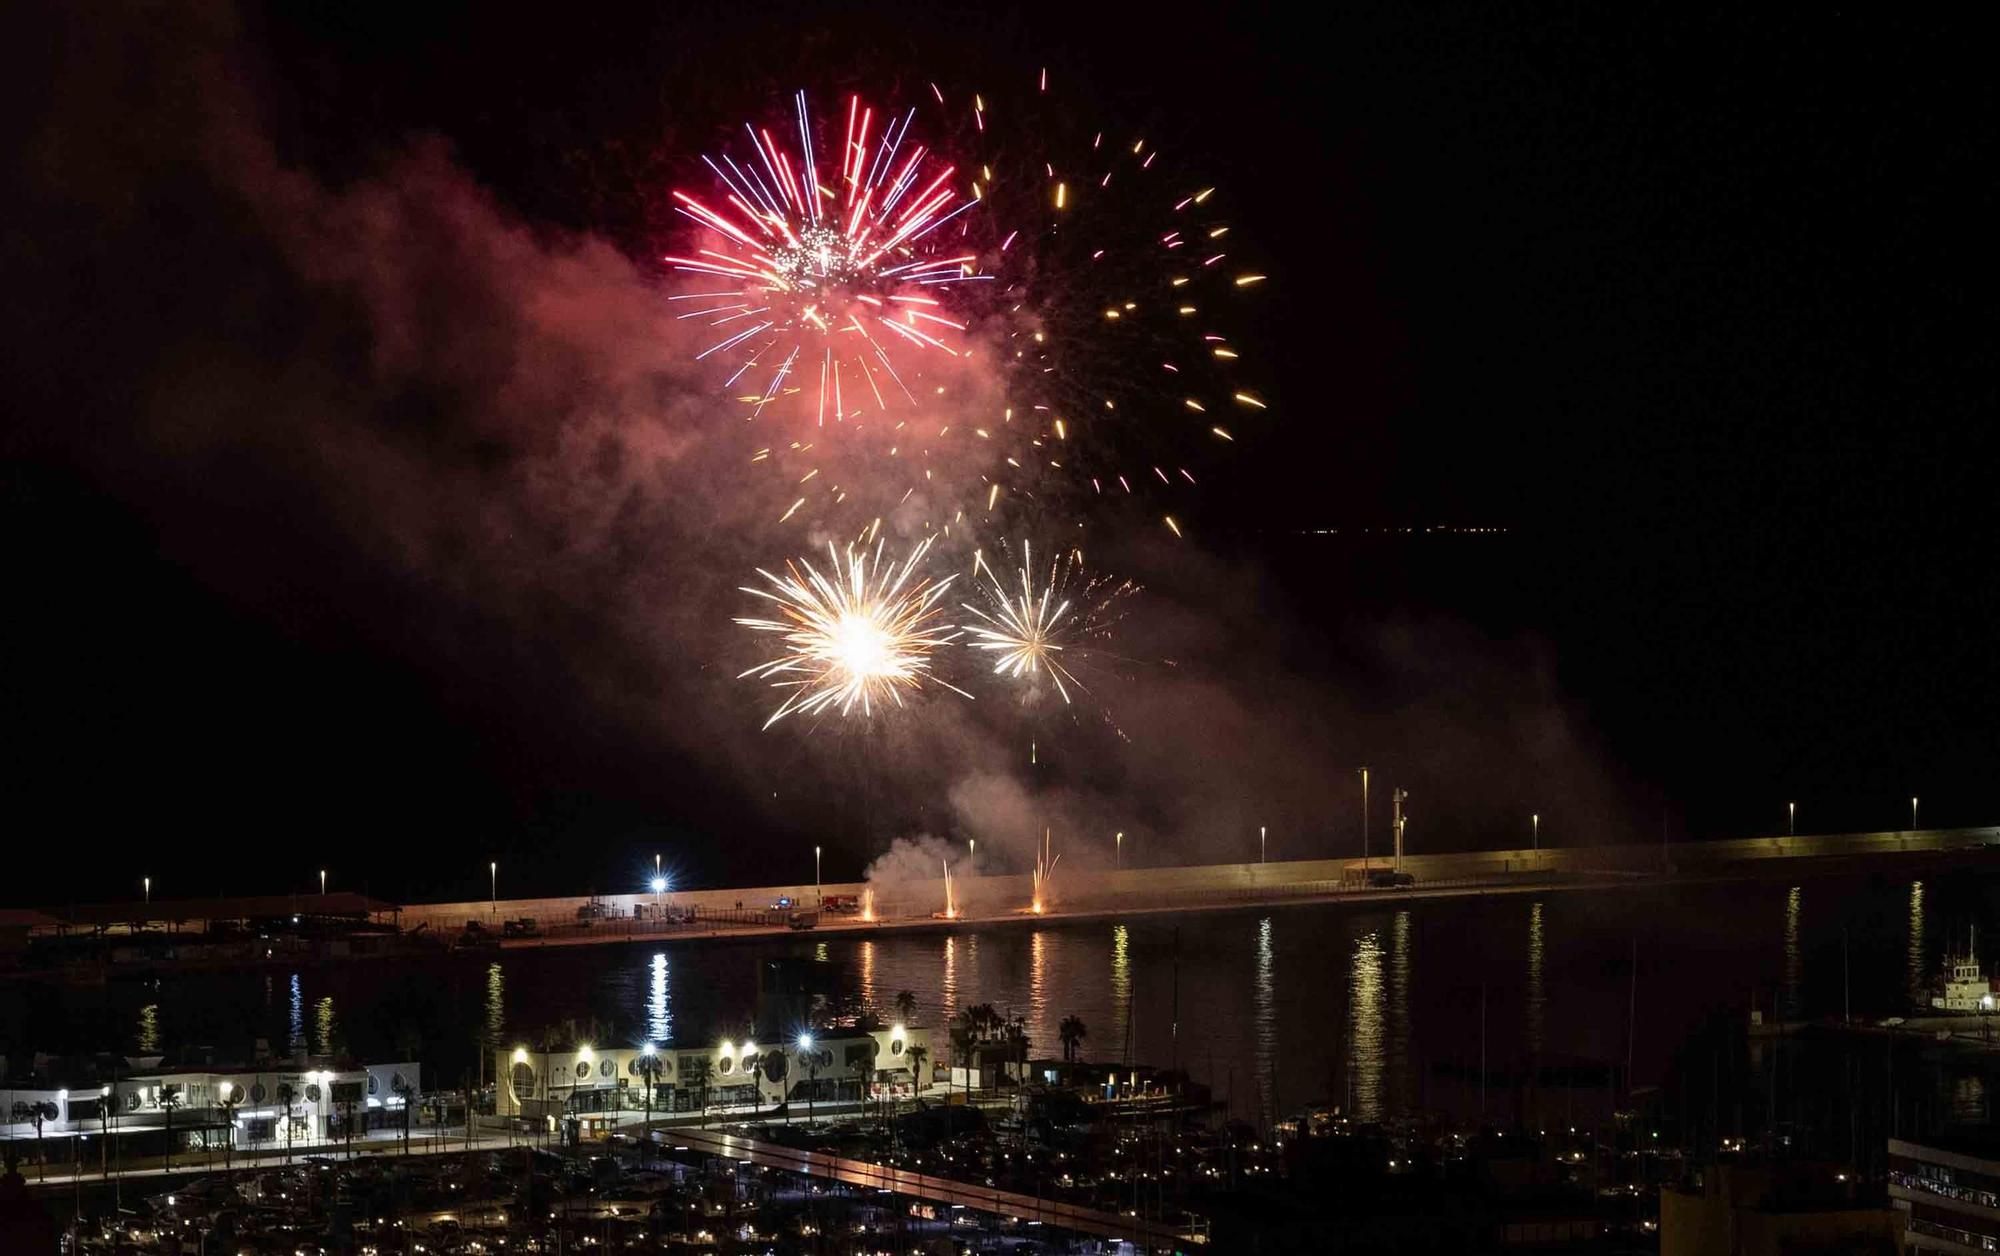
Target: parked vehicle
point(804, 920)
point(523, 928)
point(842, 904)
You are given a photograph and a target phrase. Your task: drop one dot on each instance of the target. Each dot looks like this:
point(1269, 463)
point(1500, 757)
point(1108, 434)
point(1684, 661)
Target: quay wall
point(1074, 885)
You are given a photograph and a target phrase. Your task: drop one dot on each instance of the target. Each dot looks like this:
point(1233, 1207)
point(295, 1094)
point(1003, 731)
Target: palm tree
point(918, 1055)
point(1071, 1031)
point(285, 1096)
point(906, 1004)
point(695, 1072)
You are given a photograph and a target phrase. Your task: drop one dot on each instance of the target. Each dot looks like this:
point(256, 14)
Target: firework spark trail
point(856, 636)
point(827, 264)
point(1028, 623)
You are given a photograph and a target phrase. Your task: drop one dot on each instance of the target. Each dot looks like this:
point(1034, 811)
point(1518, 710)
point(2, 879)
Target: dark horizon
point(1687, 307)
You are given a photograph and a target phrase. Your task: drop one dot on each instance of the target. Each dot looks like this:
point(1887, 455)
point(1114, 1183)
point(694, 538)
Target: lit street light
point(1118, 850)
point(1364, 820)
point(493, 871)
point(816, 894)
point(1913, 813)
point(149, 889)
point(1537, 819)
point(322, 883)
point(1260, 843)
point(1791, 819)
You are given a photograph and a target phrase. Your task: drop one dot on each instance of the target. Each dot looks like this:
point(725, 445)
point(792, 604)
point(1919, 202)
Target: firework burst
point(1035, 622)
point(822, 281)
point(857, 636)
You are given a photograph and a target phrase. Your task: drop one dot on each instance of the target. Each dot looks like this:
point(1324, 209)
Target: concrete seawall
point(1089, 887)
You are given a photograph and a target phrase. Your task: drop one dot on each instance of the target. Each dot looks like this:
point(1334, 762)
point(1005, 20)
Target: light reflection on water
point(326, 1029)
point(1537, 1002)
point(1364, 1017)
point(1916, 979)
point(1793, 961)
point(1041, 1032)
point(659, 1005)
point(297, 1023)
point(1266, 1020)
point(1121, 991)
point(1399, 1013)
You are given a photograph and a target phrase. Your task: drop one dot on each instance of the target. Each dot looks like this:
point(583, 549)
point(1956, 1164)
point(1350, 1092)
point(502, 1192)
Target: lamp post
point(1260, 843)
point(816, 894)
point(1791, 819)
point(149, 888)
point(493, 886)
point(1118, 850)
point(1364, 820)
point(322, 883)
point(1913, 813)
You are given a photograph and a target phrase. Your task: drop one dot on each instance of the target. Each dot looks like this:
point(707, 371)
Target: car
point(1390, 879)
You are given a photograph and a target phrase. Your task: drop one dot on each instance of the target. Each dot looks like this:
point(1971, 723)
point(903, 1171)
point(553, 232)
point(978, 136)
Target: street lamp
point(149, 889)
point(322, 883)
point(1791, 819)
point(1913, 813)
point(493, 871)
point(1364, 820)
point(1537, 820)
point(1118, 850)
point(1260, 843)
point(816, 893)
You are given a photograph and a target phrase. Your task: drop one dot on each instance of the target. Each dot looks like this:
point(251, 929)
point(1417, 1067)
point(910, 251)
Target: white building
point(837, 1065)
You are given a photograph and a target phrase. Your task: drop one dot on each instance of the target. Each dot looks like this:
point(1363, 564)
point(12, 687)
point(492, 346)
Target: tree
point(695, 1072)
point(1072, 1032)
point(918, 1056)
point(170, 1098)
point(906, 1005)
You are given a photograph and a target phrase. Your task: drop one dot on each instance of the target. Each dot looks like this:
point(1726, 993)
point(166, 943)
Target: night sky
point(1697, 311)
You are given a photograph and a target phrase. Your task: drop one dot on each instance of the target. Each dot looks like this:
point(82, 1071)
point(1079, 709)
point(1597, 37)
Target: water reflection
point(1265, 1019)
point(867, 974)
point(949, 987)
point(1793, 964)
point(1399, 1013)
point(297, 1026)
point(659, 1012)
point(1916, 983)
point(1121, 991)
point(493, 1024)
point(149, 1029)
point(1364, 1019)
point(1536, 996)
point(1041, 1036)
point(325, 1029)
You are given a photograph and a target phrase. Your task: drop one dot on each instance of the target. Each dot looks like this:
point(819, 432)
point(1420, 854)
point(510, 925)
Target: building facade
point(840, 1065)
point(1948, 1192)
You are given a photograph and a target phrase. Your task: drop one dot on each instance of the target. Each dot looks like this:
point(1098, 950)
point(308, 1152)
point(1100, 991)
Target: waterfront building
point(836, 1065)
point(1947, 1189)
point(143, 1107)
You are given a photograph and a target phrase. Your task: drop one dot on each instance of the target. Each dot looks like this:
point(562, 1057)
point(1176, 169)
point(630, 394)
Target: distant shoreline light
point(1432, 529)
